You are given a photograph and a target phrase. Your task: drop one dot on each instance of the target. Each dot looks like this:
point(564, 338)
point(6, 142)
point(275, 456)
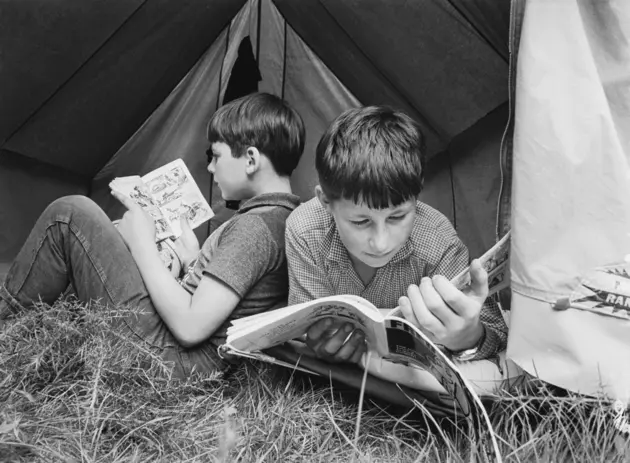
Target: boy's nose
point(380, 241)
point(211, 167)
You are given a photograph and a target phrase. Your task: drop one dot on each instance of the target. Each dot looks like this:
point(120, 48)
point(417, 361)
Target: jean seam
point(40, 244)
point(86, 249)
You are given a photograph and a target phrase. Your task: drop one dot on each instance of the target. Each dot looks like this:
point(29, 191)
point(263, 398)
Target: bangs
point(379, 180)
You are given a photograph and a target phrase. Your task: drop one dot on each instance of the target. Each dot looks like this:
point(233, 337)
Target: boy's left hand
point(449, 316)
point(136, 226)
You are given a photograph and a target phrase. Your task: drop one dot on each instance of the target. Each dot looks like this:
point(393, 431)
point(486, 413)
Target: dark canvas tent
point(90, 90)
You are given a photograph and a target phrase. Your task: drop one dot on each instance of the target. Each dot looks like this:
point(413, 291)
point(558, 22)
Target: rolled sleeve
point(244, 254)
point(495, 340)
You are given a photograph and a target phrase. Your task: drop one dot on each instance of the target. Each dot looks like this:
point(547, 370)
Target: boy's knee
point(73, 205)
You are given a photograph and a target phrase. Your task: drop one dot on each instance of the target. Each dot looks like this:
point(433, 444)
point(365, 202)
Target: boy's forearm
point(169, 298)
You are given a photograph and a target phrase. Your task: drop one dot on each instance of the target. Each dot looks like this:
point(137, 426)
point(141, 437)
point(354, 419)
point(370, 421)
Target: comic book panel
point(133, 188)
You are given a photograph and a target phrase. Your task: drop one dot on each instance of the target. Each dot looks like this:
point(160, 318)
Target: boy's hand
point(335, 344)
point(136, 227)
point(450, 317)
point(187, 245)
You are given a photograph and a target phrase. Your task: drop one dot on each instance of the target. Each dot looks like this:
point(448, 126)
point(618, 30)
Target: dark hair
point(374, 155)
point(263, 121)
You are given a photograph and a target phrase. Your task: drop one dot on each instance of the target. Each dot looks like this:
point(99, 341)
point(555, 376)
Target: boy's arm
point(309, 281)
point(193, 318)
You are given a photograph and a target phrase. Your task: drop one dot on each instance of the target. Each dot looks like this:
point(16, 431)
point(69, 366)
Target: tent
point(525, 106)
point(91, 90)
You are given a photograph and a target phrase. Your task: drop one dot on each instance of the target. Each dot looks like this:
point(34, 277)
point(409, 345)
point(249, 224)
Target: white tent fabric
point(571, 190)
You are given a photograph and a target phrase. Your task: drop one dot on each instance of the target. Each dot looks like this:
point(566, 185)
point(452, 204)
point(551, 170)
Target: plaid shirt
point(319, 265)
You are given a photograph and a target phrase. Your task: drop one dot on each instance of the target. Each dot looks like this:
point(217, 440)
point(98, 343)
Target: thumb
point(183, 221)
point(478, 280)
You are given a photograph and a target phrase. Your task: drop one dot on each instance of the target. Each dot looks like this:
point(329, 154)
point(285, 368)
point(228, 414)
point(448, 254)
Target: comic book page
point(135, 188)
point(175, 192)
point(166, 193)
point(408, 345)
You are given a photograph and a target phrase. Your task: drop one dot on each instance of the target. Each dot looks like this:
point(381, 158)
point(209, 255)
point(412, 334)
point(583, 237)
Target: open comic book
point(166, 193)
point(399, 352)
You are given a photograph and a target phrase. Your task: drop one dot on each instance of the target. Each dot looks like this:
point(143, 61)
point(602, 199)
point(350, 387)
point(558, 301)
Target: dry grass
point(72, 390)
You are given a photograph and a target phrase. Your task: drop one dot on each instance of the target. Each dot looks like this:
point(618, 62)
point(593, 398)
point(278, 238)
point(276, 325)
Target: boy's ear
point(253, 160)
point(323, 199)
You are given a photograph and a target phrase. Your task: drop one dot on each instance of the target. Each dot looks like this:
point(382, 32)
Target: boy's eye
point(359, 222)
point(210, 155)
point(397, 218)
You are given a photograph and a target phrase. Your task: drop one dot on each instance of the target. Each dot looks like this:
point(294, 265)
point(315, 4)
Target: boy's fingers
point(124, 200)
point(455, 300)
point(336, 341)
point(426, 319)
point(351, 347)
point(183, 221)
point(358, 353)
point(478, 281)
point(407, 311)
point(317, 329)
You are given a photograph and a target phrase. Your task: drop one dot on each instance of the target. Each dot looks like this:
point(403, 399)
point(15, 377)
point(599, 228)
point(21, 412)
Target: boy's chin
point(376, 262)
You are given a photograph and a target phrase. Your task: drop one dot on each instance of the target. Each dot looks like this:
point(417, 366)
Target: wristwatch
point(468, 354)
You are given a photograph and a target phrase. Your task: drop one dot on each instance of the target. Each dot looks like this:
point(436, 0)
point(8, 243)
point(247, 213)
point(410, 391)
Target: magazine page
point(407, 344)
point(175, 192)
point(270, 316)
point(295, 321)
point(134, 188)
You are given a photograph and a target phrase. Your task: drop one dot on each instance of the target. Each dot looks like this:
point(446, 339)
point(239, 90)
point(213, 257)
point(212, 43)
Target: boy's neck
point(273, 184)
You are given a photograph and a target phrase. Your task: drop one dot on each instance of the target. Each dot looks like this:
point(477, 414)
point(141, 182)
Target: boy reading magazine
point(255, 144)
point(387, 333)
point(399, 351)
point(367, 234)
point(172, 198)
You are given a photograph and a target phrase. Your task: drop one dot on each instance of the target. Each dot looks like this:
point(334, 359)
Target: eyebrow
point(397, 211)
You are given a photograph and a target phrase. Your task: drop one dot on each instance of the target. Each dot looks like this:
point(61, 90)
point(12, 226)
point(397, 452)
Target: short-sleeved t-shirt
point(247, 253)
point(319, 264)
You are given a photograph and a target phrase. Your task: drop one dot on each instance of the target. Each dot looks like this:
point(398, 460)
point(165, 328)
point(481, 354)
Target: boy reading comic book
point(255, 144)
point(170, 196)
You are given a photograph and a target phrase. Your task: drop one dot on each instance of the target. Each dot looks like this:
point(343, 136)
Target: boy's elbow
point(188, 338)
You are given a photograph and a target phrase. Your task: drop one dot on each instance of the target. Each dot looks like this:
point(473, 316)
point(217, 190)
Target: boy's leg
point(74, 242)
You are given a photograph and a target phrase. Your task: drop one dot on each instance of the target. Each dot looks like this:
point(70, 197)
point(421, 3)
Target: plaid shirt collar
point(287, 200)
point(334, 250)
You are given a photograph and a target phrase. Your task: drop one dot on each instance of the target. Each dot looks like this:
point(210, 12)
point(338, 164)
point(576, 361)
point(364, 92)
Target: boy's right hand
point(335, 344)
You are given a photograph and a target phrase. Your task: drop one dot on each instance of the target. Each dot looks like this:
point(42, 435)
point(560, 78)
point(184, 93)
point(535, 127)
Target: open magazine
point(166, 193)
point(400, 352)
point(267, 329)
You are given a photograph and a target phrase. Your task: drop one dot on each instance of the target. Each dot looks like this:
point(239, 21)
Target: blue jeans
point(74, 242)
